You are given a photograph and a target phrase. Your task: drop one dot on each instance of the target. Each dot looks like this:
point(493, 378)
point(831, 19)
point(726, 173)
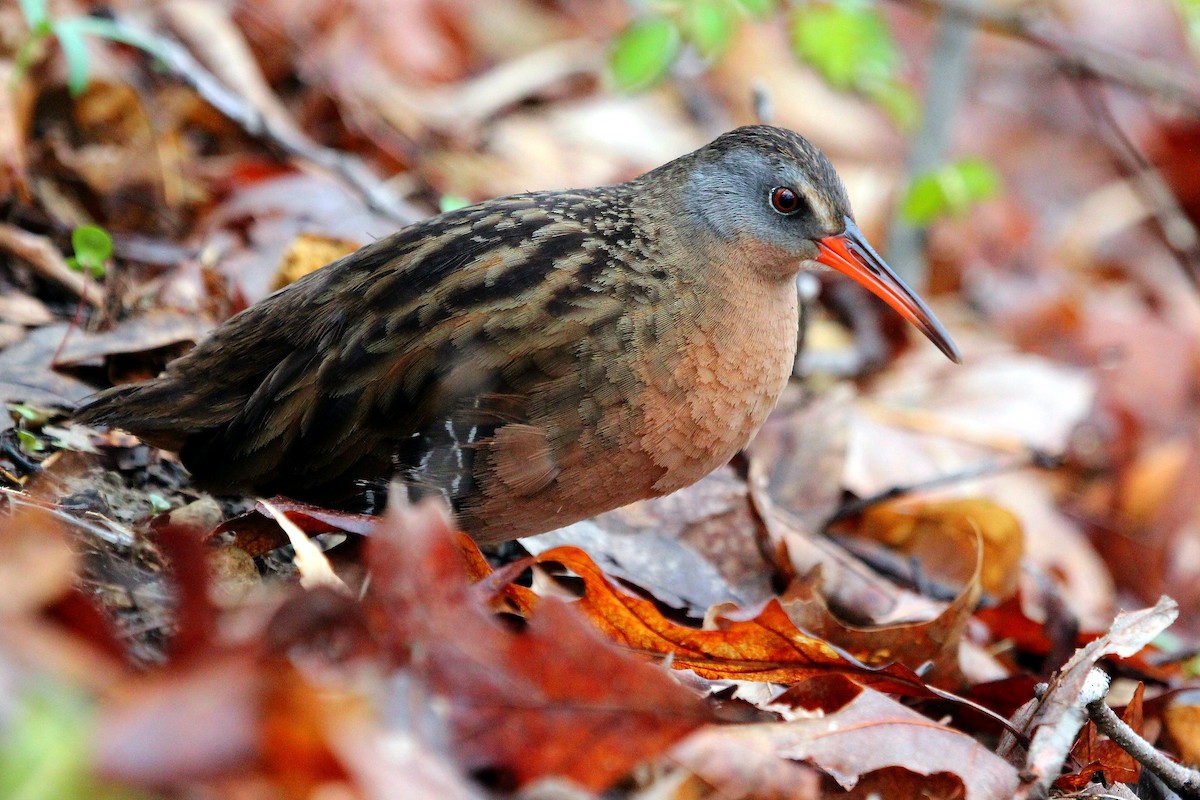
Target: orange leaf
point(766, 647)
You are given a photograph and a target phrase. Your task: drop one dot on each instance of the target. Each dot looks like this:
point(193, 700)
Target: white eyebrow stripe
point(819, 207)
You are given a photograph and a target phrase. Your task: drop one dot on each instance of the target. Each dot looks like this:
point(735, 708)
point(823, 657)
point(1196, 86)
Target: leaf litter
point(796, 625)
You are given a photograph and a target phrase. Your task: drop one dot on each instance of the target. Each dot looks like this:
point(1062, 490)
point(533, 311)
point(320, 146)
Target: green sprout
point(847, 42)
point(71, 34)
point(949, 190)
point(644, 52)
point(29, 442)
point(93, 247)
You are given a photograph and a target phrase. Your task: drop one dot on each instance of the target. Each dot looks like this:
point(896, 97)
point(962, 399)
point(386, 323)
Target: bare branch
point(1181, 779)
point(1178, 231)
point(1075, 56)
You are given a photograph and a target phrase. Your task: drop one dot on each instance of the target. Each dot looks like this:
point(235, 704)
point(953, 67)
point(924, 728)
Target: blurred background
point(1032, 167)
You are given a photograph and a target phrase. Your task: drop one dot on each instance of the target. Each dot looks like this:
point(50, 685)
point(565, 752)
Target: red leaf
point(553, 700)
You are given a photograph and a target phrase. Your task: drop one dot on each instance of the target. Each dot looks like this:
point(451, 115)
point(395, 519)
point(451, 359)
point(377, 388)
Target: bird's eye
point(785, 200)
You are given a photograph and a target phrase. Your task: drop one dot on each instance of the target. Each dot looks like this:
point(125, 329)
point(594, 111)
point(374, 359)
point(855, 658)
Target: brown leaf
point(553, 700)
point(1182, 718)
point(799, 453)
point(256, 225)
point(913, 644)
point(766, 647)
point(36, 562)
point(692, 549)
point(739, 767)
point(156, 330)
point(257, 533)
point(856, 731)
point(307, 253)
point(26, 375)
point(1106, 758)
point(213, 707)
point(1059, 715)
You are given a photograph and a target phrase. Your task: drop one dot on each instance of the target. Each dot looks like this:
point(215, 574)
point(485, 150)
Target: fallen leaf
point(141, 334)
point(733, 764)
point(800, 453)
point(308, 253)
point(27, 377)
point(945, 535)
point(1182, 719)
point(928, 419)
point(214, 706)
point(257, 532)
point(764, 645)
point(1058, 716)
point(552, 700)
point(932, 642)
point(692, 549)
point(36, 561)
point(1105, 761)
point(862, 731)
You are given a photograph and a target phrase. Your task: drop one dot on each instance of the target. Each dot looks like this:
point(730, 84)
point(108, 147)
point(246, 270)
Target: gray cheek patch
point(715, 198)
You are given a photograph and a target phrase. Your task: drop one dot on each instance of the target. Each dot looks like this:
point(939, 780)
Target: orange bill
point(850, 255)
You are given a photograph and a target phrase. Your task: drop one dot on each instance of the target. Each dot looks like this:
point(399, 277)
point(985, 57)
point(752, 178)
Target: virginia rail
point(537, 358)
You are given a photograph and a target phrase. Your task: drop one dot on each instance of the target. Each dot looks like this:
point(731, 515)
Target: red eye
point(785, 200)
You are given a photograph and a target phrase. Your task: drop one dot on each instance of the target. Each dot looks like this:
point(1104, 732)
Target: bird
point(534, 359)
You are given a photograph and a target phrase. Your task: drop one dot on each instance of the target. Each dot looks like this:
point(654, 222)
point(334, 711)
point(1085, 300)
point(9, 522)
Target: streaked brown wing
point(397, 351)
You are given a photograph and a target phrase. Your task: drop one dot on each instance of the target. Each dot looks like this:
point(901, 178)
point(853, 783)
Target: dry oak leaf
point(552, 700)
point(1182, 719)
point(766, 647)
point(1105, 757)
point(848, 731)
point(933, 641)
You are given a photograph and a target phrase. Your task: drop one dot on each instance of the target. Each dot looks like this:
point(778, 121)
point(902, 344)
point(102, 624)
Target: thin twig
point(1075, 56)
point(1177, 230)
point(184, 67)
point(1181, 779)
point(1034, 458)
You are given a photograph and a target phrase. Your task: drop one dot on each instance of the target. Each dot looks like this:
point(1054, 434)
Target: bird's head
point(768, 189)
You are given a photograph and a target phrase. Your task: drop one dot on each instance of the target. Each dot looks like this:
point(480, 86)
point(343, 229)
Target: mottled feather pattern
point(535, 358)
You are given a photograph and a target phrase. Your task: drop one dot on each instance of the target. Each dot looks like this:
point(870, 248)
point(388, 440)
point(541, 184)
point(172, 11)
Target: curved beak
point(850, 254)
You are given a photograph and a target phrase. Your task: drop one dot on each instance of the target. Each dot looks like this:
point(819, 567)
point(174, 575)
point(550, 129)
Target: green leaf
point(37, 16)
point(949, 190)
point(709, 26)
point(28, 413)
point(46, 748)
point(92, 245)
point(643, 53)
point(452, 202)
point(75, 51)
point(759, 9)
point(849, 44)
point(158, 503)
point(30, 443)
point(898, 100)
point(1189, 13)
